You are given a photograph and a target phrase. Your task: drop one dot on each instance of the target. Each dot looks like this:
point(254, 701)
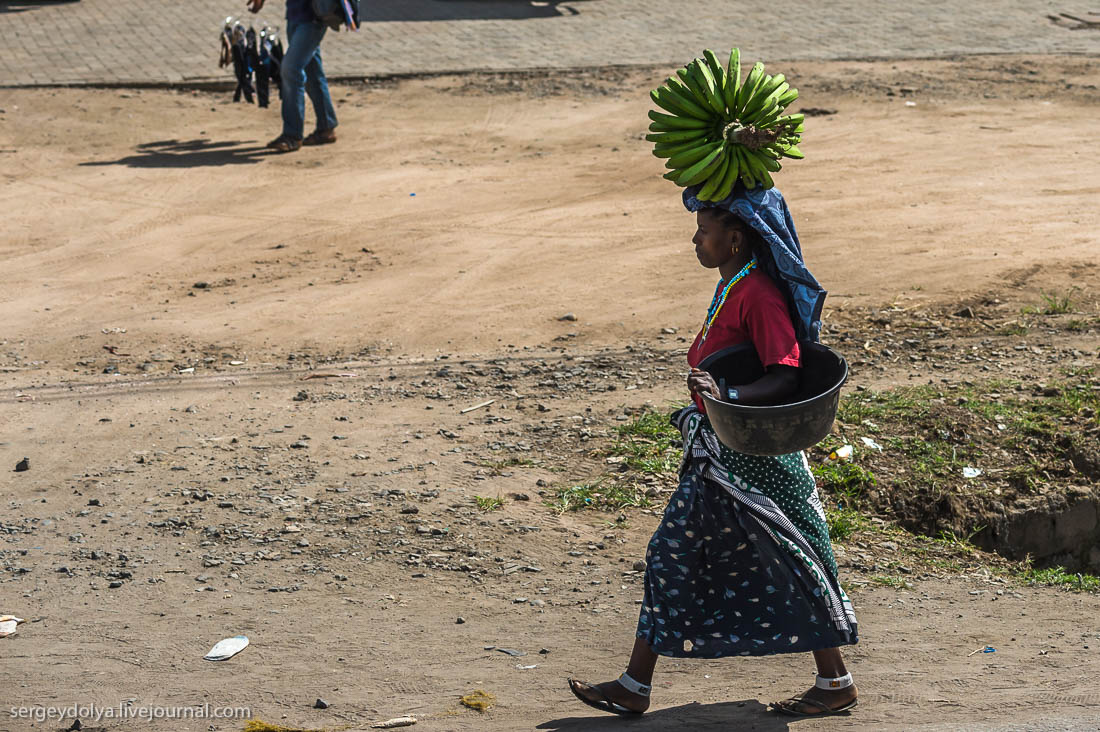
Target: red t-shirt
point(755, 311)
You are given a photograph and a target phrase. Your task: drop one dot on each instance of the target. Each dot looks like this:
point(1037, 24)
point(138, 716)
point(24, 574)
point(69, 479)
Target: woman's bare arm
point(778, 383)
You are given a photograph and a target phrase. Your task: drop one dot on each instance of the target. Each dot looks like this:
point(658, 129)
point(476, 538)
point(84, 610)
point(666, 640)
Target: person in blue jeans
point(302, 73)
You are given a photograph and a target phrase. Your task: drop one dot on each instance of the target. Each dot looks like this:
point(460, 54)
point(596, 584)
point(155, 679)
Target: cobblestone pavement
point(155, 41)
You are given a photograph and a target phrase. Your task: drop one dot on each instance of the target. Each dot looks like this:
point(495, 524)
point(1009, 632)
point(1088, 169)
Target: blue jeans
point(303, 74)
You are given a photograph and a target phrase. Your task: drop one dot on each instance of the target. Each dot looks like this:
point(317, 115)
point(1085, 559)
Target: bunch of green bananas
point(719, 129)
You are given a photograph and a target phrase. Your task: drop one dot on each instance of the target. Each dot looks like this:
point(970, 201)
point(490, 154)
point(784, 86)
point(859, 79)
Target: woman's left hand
point(701, 382)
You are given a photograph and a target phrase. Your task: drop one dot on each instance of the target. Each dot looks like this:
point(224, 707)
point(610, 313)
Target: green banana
point(767, 117)
point(772, 165)
point(710, 87)
point(663, 98)
point(748, 89)
point(746, 170)
point(677, 122)
point(755, 167)
point(668, 149)
point(765, 102)
point(770, 152)
point(733, 81)
point(707, 191)
point(677, 136)
point(769, 109)
point(772, 83)
point(719, 73)
point(685, 93)
point(691, 157)
point(670, 101)
point(699, 172)
point(729, 179)
point(793, 152)
point(788, 96)
point(756, 100)
point(792, 119)
point(694, 87)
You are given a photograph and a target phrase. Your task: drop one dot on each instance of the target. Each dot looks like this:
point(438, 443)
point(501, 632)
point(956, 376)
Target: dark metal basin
point(783, 428)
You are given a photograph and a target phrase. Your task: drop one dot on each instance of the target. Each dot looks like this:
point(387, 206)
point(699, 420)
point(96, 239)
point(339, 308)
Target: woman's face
point(713, 242)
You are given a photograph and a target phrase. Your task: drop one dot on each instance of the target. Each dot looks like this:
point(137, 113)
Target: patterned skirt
point(741, 564)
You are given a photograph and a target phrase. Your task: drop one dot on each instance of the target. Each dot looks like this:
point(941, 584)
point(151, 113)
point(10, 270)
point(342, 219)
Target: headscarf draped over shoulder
point(766, 211)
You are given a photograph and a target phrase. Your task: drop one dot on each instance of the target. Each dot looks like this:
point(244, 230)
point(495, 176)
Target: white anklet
point(840, 682)
point(633, 686)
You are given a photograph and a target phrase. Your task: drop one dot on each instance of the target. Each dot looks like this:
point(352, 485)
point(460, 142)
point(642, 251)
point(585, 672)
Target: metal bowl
point(802, 422)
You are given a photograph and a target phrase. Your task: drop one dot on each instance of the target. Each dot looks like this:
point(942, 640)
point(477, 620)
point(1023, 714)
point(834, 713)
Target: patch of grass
point(489, 504)
point(898, 583)
point(1053, 303)
point(932, 460)
point(843, 522)
point(649, 444)
point(1059, 577)
point(605, 495)
point(497, 467)
point(962, 543)
point(846, 480)
point(1078, 326)
point(1078, 371)
point(903, 403)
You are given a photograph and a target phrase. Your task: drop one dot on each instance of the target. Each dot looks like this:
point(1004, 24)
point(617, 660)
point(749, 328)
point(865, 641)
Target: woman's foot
point(284, 144)
point(320, 137)
point(610, 696)
point(818, 702)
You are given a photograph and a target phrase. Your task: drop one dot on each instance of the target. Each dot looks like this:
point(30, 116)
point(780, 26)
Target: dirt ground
point(244, 386)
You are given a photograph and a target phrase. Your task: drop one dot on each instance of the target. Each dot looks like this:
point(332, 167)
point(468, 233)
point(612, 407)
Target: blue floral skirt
point(741, 564)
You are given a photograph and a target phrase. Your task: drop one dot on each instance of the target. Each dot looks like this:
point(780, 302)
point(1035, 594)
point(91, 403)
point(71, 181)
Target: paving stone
point(162, 41)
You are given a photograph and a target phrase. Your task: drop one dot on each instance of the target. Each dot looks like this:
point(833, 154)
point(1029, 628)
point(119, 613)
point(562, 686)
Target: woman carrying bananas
point(741, 563)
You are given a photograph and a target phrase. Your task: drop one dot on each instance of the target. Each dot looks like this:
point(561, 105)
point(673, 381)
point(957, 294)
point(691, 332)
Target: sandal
point(320, 137)
point(284, 144)
point(604, 704)
point(788, 707)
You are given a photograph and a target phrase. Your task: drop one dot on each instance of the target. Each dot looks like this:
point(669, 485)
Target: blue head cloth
point(767, 213)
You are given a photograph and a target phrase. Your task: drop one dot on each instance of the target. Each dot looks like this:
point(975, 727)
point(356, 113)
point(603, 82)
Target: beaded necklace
point(721, 293)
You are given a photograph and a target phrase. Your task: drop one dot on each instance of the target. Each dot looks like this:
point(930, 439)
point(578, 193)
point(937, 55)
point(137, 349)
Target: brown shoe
point(284, 144)
point(320, 137)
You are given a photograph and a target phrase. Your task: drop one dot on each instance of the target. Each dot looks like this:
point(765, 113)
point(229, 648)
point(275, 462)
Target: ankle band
point(633, 686)
point(840, 682)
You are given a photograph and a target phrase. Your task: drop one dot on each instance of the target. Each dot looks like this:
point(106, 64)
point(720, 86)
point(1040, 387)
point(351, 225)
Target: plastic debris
point(405, 721)
point(983, 649)
point(512, 651)
point(227, 648)
point(971, 472)
point(841, 454)
point(871, 443)
point(8, 625)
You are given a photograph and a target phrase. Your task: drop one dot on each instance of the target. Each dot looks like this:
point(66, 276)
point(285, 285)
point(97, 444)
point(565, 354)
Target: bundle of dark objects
point(252, 55)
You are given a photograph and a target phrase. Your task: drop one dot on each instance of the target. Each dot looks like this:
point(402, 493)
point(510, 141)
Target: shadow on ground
point(190, 154)
point(19, 6)
point(380, 11)
point(746, 714)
